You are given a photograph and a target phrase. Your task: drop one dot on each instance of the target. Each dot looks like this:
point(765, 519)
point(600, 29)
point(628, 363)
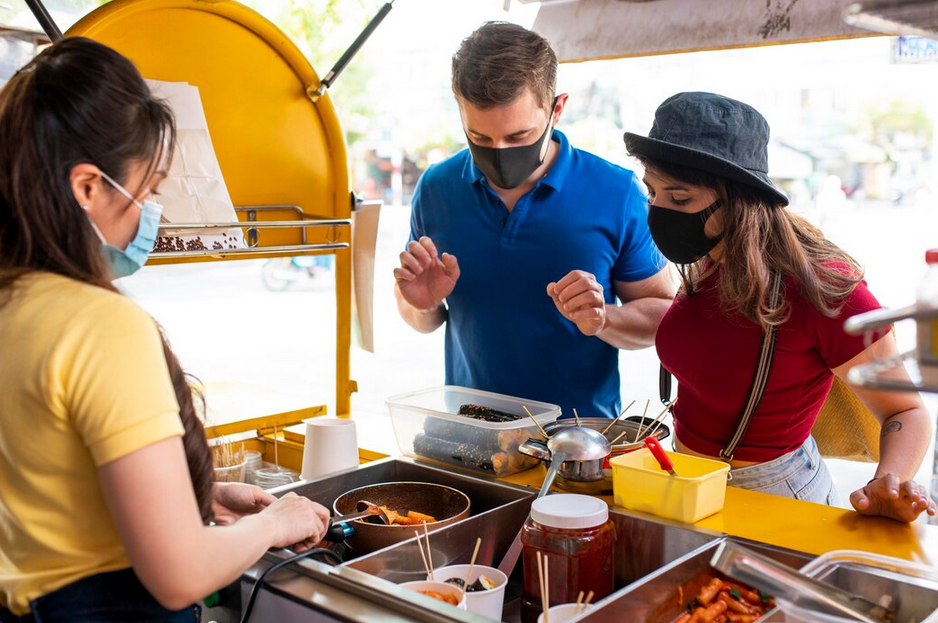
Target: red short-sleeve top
point(712, 353)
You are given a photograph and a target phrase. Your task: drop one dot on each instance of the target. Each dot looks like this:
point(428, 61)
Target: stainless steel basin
point(664, 593)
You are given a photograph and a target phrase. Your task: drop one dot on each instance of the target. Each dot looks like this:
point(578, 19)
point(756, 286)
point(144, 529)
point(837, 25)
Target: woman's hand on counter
point(233, 500)
point(887, 497)
point(298, 522)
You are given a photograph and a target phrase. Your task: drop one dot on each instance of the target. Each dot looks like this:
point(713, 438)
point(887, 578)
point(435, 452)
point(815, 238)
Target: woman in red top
point(715, 213)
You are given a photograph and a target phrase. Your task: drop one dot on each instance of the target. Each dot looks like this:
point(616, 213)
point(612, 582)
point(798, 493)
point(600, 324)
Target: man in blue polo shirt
point(522, 243)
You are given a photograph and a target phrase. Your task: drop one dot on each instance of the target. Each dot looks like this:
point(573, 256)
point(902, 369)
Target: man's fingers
point(429, 247)
point(588, 299)
point(419, 252)
point(402, 275)
point(450, 265)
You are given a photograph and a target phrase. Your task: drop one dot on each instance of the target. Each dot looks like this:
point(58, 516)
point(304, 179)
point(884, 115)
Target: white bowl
point(564, 612)
point(486, 603)
point(439, 587)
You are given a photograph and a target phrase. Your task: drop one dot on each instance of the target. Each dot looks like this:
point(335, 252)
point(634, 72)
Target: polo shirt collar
point(554, 178)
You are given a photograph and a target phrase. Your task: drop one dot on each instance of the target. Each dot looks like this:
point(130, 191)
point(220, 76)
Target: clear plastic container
point(232, 473)
point(577, 537)
point(427, 425)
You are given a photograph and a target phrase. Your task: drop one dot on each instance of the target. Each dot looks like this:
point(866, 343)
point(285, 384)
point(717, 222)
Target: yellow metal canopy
point(274, 144)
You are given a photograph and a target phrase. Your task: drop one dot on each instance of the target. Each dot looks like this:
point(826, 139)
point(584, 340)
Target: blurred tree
point(887, 121)
point(322, 30)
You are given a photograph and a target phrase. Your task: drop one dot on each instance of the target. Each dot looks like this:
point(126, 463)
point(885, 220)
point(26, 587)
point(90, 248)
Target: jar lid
point(931, 256)
point(569, 510)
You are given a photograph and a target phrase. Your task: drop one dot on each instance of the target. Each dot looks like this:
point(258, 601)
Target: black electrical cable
point(317, 551)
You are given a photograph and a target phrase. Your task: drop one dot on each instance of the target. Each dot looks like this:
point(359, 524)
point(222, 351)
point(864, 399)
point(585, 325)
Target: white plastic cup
point(486, 603)
point(439, 587)
point(564, 612)
point(331, 446)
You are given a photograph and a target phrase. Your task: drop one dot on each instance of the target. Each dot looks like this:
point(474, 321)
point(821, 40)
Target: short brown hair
point(495, 64)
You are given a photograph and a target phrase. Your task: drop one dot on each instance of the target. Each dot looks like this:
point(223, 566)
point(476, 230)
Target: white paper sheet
point(195, 190)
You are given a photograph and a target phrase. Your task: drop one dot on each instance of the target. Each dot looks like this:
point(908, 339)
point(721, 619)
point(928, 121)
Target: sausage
point(713, 611)
point(736, 606)
point(708, 592)
point(742, 618)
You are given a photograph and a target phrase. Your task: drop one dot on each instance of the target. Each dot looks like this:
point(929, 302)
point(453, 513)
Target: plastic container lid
point(569, 511)
point(931, 256)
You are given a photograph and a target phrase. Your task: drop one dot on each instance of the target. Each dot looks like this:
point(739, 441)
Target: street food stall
point(475, 473)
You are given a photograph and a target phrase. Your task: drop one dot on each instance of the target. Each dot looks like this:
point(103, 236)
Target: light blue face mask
point(128, 261)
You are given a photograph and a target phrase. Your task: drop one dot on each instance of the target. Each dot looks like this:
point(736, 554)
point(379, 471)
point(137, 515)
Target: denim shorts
point(800, 474)
point(112, 597)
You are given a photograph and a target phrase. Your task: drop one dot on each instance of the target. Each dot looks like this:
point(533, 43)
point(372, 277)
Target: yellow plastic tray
point(640, 484)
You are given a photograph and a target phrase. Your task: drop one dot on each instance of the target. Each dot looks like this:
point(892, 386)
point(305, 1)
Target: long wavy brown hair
point(760, 238)
point(80, 101)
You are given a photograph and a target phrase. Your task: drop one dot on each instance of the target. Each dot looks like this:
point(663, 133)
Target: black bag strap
point(759, 380)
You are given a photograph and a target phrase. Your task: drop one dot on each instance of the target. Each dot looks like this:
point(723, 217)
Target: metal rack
point(903, 372)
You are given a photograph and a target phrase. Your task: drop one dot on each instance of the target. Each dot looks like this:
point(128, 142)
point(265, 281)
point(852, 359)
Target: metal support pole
point(45, 20)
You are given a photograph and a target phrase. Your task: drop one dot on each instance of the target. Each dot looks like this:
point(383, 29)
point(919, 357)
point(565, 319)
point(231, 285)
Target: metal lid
point(569, 511)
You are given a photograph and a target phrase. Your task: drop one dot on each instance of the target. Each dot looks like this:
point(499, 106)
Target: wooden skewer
point(617, 418)
point(576, 416)
point(658, 425)
point(472, 563)
point(641, 424)
point(540, 582)
point(546, 589)
point(657, 421)
point(536, 423)
point(276, 455)
point(589, 598)
point(579, 602)
point(422, 555)
point(426, 535)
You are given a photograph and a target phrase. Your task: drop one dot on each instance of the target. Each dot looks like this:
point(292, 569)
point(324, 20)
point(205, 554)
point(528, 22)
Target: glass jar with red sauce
point(578, 539)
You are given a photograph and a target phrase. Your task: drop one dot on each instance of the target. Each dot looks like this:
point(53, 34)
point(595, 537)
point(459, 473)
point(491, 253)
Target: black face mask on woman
point(680, 235)
point(509, 167)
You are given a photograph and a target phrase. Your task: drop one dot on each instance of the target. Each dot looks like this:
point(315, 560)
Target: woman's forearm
point(903, 442)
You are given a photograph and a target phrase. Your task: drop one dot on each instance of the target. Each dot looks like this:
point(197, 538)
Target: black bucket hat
point(711, 133)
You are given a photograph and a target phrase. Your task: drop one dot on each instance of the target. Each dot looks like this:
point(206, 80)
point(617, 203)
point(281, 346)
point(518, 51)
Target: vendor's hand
point(233, 500)
point(887, 497)
point(579, 298)
point(297, 521)
point(425, 278)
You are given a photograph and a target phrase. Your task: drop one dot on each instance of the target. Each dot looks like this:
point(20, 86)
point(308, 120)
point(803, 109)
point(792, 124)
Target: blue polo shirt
point(503, 333)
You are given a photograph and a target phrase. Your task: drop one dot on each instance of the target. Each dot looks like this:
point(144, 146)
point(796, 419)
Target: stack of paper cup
point(331, 446)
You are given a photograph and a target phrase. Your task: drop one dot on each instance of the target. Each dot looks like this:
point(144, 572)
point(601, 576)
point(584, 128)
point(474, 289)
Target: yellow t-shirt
point(83, 382)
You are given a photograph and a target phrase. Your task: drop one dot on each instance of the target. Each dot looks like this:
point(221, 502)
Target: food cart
point(278, 141)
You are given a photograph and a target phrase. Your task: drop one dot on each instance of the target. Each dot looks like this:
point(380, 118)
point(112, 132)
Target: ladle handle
point(660, 455)
point(555, 464)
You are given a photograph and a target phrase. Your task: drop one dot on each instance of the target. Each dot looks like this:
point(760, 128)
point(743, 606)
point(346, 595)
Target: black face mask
point(509, 167)
point(680, 236)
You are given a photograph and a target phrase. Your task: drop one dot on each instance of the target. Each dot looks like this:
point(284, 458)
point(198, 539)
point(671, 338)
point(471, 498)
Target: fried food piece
point(447, 597)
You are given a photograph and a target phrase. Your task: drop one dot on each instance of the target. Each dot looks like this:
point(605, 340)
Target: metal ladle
point(577, 443)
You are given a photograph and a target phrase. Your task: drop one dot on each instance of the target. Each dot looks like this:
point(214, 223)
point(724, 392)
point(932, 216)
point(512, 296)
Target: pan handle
point(338, 531)
point(536, 448)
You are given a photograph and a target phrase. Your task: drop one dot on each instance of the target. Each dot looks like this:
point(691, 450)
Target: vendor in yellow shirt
point(106, 486)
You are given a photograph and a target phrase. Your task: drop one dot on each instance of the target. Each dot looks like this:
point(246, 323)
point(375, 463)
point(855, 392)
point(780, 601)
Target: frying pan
point(446, 504)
